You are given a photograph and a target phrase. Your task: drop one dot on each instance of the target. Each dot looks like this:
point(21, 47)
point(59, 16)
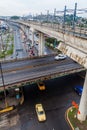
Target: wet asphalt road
point(56, 99)
point(34, 69)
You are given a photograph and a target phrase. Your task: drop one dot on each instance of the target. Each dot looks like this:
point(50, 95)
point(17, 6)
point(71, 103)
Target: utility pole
point(33, 17)
point(41, 17)
point(64, 18)
point(2, 47)
point(74, 16)
point(54, 15)
point(47, 15)
point(36, 16)
point(0, 42)
point(3, 85)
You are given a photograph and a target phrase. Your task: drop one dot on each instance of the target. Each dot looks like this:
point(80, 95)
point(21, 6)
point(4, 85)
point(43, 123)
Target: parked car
point(40, 112)
point(41, 85)
point(78, 89)
point(60, 57)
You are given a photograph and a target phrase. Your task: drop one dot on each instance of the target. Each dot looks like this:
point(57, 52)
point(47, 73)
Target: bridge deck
point(32, 70)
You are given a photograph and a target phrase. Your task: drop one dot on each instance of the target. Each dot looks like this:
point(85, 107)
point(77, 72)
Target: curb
point(21, 100)
point(67, 119)
point(7, 109)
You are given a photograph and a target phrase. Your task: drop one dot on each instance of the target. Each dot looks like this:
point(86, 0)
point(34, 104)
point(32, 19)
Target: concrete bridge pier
point(27, 36)
point(32, 37)
point(24, 28)
point(83, 102)
point(41, 44)
point(28, 33)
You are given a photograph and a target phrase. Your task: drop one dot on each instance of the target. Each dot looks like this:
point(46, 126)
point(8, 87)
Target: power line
point(72, 10)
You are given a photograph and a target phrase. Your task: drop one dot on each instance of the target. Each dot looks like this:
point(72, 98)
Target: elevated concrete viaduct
point(73, 43)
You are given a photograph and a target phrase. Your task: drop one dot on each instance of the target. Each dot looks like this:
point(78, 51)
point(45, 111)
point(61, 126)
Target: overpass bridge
point(73, 44)
point(17, 73)
point(73, 41)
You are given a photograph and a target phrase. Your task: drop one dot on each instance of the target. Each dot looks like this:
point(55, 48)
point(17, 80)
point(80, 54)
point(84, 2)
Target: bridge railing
point(59, 27)
point(77, 31)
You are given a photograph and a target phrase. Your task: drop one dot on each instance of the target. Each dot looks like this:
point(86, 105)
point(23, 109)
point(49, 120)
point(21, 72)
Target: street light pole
point(2, 46)
point(6, 104)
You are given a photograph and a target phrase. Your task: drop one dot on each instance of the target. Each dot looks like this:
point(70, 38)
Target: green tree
point(15, 17)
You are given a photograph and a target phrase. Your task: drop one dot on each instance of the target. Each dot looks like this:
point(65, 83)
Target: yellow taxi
point(41, 85)
point(40, 112)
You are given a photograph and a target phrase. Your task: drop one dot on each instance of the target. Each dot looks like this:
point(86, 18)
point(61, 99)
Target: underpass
point(63, 70)
point(20, 72)
point(74, 46)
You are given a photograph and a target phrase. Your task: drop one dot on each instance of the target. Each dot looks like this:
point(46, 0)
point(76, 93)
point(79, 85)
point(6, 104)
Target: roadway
point(19, 50)
point(56, 99)
point(34, 69)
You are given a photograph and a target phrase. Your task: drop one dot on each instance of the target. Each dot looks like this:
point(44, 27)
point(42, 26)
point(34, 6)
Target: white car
point(60, 57)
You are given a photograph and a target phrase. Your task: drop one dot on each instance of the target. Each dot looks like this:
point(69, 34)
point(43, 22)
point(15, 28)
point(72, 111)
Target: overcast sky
point(24, 7)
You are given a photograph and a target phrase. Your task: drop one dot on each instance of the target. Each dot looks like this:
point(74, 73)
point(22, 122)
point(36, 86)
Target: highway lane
point(33, 62)
point(36, 68)
point(24, 63)
point(20, 52)
point(36, 72)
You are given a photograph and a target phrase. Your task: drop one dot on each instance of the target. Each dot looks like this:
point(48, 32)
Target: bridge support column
point(27, 39)
point(28, 33)
point(83, 102)
point(32, 37)
point(41, 44)
point(24, 29)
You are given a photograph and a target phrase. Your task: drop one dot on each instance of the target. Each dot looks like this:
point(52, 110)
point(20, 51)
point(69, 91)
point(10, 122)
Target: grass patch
point(10, 51)
point(7, 52)
point(2, 55)
point(75, 122)
point(8, 47)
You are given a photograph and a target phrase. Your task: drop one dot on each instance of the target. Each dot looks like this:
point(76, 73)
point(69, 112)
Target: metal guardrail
point(27, 58)
point(77, 31)
point(41, 77)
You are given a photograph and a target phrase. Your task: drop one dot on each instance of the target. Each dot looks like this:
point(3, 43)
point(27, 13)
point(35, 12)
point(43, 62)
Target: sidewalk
point(71, 118)
point(10, 100)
